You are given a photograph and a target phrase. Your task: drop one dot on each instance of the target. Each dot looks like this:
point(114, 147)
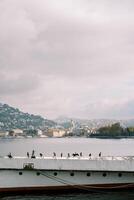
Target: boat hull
point(20, 174)
point(64, 189)
point(59, 181)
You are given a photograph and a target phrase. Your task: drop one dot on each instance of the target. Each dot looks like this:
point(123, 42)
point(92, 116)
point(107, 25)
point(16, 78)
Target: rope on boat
point(84, 187)
point(65, 182)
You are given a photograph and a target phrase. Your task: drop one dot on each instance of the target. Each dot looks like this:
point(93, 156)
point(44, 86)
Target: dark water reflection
point(127, 195)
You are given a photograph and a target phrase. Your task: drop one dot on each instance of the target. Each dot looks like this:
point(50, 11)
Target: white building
point(58, 133)
point(16, 132)
point(3, 133)
point(39, 132)
point(53, 132)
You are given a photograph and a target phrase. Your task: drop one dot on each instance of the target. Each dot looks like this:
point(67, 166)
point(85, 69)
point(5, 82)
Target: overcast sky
point(72, 58)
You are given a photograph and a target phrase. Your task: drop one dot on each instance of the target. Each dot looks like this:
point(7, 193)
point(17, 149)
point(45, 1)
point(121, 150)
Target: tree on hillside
point(113, 130)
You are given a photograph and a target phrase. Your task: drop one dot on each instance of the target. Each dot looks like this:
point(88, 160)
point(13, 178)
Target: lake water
point(108, 147)
point(47, 146)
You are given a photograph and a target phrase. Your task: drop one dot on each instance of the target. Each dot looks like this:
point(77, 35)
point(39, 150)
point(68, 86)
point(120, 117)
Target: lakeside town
point(17, 124)
point(75, 130)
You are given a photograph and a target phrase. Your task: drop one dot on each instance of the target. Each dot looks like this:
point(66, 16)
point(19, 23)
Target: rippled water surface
point(76, 196)
point(69, 145)
point(49, 145)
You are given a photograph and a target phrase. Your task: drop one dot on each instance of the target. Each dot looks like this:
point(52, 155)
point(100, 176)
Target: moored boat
point(57, 173)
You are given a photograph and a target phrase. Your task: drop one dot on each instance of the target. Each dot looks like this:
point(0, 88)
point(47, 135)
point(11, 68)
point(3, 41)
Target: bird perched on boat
point(41, 154)
point(81, 154)
point(54, 154)
point(100, 154)
point(33, 155)
point(9, 155)
point(68, 155)
point(75, 154)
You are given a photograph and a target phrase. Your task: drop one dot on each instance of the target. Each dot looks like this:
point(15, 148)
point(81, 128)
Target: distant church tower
point(72, 126)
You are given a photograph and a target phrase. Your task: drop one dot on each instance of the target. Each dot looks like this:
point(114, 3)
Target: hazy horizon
point(60, 117)
point(68, 57)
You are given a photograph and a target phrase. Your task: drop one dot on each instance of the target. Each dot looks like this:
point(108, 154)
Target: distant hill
point(93, 123)
point(12, 118)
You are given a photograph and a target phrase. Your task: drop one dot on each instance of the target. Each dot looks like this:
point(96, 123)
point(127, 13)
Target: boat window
point(55, 173)
point(120, 174)
point(88, 174)
point(20, 173)
point(104, 174)
point(71, 174)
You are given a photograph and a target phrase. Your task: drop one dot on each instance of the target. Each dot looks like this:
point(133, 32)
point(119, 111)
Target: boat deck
point(77, 163)
point(72, 158)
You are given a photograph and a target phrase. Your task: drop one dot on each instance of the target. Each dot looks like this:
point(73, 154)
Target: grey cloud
point(17, 85)
point(116, 110)
point(67, 54)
